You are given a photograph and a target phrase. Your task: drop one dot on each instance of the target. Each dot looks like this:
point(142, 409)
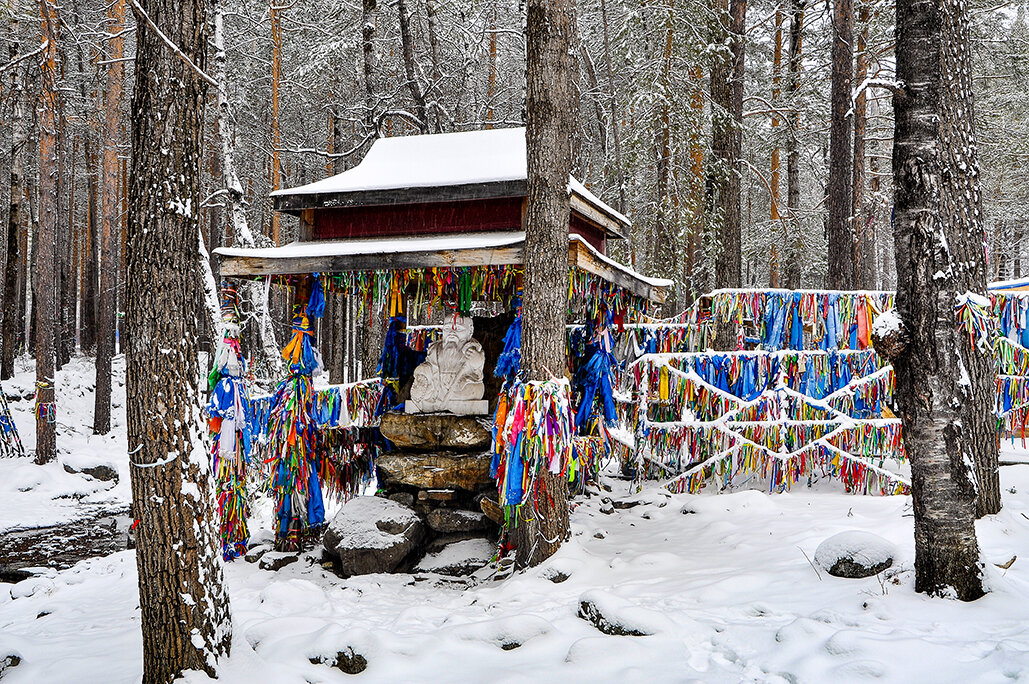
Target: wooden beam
point(590, 213)
point(449, 193)
point(585, 259)
point(242, 266)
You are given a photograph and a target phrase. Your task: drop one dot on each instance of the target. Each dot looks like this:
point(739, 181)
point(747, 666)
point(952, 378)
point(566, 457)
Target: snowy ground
point(722, 581)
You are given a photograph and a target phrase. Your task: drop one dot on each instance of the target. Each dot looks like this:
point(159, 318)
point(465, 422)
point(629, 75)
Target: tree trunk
point(407, 42)
point(549, 99)
point(369, 11)
point(727, 138)
point(664, 244)
point(726, 142)
point(791, 271)
point(276, 180)
point(862, 277)
point(841, 248)
point(19, 153)
point(183, 604)
point(619, 171)
point(774, 257)
point(962, 219)
point(927, 362)
point(109, 223)
point(46, 239)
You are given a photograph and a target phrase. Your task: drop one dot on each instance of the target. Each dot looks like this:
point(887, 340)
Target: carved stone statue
point(450, 378)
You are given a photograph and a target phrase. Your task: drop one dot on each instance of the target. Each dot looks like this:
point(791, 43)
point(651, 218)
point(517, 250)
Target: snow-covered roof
point(462, 249)
point(442, 160)
point(1016, 285)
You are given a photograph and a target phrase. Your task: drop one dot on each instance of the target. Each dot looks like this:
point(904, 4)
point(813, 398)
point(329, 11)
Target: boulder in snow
point(371, 534)
point(457, 559)
point(89, 464)
point(8, 663)
point(347, 661)
point(854, 554)
point(616, 616)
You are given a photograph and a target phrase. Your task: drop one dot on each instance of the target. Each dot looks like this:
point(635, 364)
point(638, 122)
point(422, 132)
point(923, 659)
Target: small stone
point(599, 534)
point(623, 505)
point(276, 560)
point(255, 552)
point(403, 498)
point(607, 509)
point(437, 495)
point(457, 520)
point(492, 510)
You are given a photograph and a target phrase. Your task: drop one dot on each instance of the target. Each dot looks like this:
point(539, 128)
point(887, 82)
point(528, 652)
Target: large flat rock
point(445, 470)
point(435, 431)
point(371, 534)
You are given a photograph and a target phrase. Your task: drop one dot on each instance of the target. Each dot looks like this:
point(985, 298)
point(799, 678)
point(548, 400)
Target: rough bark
point(791, 270)
point(370, 62)
point(726, 142)
point(777, 225)
point(183, 605)
point(46, 239)
point(616, 139)
point(276, 180)
point(664, 242)
point(966, 237)
point(929, 398)
point(109, 215)
point(15, 220)
point(407, 43)
point(550, 35)
point(861, 215)
point(727, 138)
point(841, 248)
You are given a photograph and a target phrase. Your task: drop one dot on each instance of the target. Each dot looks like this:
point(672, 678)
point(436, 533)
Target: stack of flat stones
point(435, 480)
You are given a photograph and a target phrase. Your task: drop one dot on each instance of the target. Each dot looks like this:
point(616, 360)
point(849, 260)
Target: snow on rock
point(855, 554)
point(371, 534)
point(459, 558)
point(457, 520)
point(887, 323)
point(98, 465)
point(617, 616)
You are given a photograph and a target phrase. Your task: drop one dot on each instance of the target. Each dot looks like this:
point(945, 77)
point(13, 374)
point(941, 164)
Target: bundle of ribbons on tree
point(532, 433)
point(10, 441)
point(229, 423)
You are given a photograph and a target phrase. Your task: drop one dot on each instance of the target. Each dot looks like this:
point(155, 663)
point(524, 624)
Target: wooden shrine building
point(433, 201)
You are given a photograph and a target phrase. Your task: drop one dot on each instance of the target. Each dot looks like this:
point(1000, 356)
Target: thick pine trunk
point(46, 240)
point(726, 143)
point(962, 218)
point(791, 270)
point(549, 99)
point(927, 362)
point(841, 248)
point(109, 224)
point(778, 225)
point(183, 604)
point(15, 220)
